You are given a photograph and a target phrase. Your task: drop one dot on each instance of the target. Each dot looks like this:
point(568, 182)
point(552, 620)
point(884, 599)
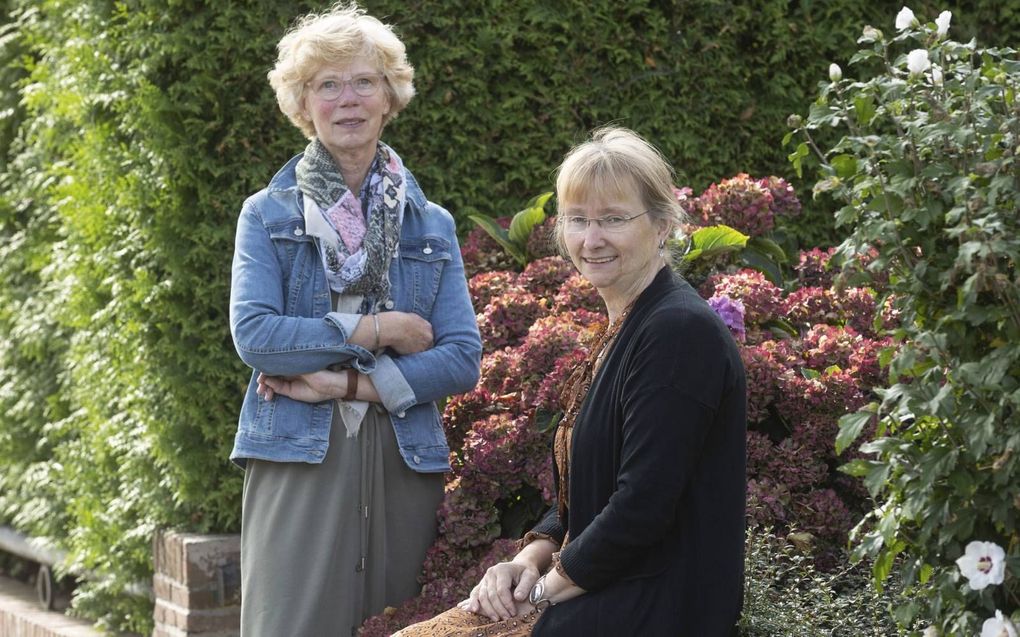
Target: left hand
point(502, 591)
point(314, 387)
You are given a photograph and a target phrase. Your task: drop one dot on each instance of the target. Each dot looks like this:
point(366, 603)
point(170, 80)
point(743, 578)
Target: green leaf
point(845, 166)
point(767, 247)
point(851, 426)
point(781, 328)
point(500, 235)
point(825, 185)
point(864, 109)
point(713, 241)
point(762, 263)
point(858, 467)
point(810, 374)
point(525, 221)
point(797, 156)
point(883, 565)
point(925, 574)
point(545, 420)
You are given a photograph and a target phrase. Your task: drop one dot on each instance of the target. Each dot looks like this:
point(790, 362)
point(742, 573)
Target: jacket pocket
point(295, 252)
point(422, 262)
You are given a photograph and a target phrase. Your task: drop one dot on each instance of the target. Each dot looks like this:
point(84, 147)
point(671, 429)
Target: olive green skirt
point(324, 547)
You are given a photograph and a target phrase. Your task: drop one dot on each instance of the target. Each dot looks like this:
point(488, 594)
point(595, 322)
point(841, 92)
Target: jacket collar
point(285, 179)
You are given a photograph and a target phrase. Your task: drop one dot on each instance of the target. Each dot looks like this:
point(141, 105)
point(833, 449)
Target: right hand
point(503, 591)
point(405, 332)
point(313, 387)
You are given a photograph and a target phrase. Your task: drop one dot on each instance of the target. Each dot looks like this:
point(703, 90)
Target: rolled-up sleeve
point(452, 365)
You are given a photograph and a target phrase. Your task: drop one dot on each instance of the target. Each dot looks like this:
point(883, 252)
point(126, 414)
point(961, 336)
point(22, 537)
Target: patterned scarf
point(356, 254)
point(575, 390)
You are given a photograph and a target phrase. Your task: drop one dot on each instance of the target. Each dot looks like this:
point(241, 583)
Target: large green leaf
point(525, 221)
point(767, 247)
point(500, 235)
point(713, 241)
point(851, 426)
point(761, 262)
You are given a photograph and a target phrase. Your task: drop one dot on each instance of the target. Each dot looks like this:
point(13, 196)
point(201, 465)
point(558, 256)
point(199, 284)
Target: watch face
point(536, 593)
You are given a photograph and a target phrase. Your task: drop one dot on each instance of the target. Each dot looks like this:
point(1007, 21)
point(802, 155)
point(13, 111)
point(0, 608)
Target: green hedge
point(132, 131)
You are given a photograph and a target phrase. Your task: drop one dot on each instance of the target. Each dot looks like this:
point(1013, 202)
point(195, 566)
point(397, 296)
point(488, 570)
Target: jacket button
point(417, 460)
point(400, 414)
point(389, 304)
point(298, 232)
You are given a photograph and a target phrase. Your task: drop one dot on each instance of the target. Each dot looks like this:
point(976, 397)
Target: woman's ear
point(664, 229)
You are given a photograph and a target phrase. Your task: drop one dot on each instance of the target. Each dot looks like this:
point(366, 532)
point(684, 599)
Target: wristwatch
point(537, 596)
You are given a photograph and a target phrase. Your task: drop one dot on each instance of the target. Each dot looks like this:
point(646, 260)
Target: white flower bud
point(942, 22)
point(871, 34)
point(835, 73)
point(936, 76)
point(998, 626)
point(917, 61)
point(904, 18)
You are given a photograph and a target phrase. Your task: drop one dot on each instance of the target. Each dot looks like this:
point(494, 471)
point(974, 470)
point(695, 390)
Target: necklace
point(575, 390)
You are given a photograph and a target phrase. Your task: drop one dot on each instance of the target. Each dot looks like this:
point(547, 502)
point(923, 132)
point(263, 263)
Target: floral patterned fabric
point(461, 623)
point(357, 255)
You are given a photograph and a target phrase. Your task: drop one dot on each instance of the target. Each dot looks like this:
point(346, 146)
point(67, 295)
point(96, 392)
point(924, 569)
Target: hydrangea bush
point(927, 176)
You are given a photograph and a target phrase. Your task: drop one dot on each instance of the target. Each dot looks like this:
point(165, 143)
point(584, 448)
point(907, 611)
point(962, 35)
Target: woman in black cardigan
point(647, 535)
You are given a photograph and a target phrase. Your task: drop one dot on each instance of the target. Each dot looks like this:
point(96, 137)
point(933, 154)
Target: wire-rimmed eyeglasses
point(576, 224)
point(364, 85)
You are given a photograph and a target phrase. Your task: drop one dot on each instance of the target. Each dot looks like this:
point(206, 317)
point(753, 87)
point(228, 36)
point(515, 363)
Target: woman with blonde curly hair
point(349, 302)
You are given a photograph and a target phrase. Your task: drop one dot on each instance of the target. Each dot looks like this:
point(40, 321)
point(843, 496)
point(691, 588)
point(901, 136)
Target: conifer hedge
point(130, 132)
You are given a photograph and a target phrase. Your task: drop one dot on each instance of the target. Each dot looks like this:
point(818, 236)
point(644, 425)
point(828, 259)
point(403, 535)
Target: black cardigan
point(657, 483)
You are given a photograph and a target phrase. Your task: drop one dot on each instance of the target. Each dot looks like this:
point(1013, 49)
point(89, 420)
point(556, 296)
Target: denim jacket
point(282, 323)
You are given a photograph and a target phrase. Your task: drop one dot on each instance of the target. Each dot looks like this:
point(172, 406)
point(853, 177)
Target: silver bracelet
point(375, 321)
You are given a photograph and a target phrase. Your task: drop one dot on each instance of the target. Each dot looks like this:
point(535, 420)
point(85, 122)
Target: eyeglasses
point(612, 223)
point(332, 88)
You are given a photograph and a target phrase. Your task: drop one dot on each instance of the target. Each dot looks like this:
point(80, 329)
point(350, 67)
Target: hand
point(521, 608)
point(313, 387)
point(503, 591)
point(405, 332)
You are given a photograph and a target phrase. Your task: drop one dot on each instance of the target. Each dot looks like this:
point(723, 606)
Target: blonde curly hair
point(335, 38)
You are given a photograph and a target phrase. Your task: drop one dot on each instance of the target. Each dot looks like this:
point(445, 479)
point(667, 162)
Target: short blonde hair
point(336, 38)
point(616, 160)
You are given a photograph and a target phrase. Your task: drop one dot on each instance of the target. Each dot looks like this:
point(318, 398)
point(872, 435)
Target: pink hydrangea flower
point(740, 202)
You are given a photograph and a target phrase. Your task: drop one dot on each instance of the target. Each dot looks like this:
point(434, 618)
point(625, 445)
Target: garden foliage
point(131, 132)
point(928, 176)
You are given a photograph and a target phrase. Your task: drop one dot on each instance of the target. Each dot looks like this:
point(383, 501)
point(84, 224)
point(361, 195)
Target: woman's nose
point(594, 235)
point(347, 94)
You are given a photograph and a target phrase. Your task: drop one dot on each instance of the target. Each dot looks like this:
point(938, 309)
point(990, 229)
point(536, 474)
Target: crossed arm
point(403, 332)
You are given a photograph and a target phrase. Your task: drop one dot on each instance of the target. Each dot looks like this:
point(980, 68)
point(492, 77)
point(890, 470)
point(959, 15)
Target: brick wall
point(197, 585)
point(20, 615)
